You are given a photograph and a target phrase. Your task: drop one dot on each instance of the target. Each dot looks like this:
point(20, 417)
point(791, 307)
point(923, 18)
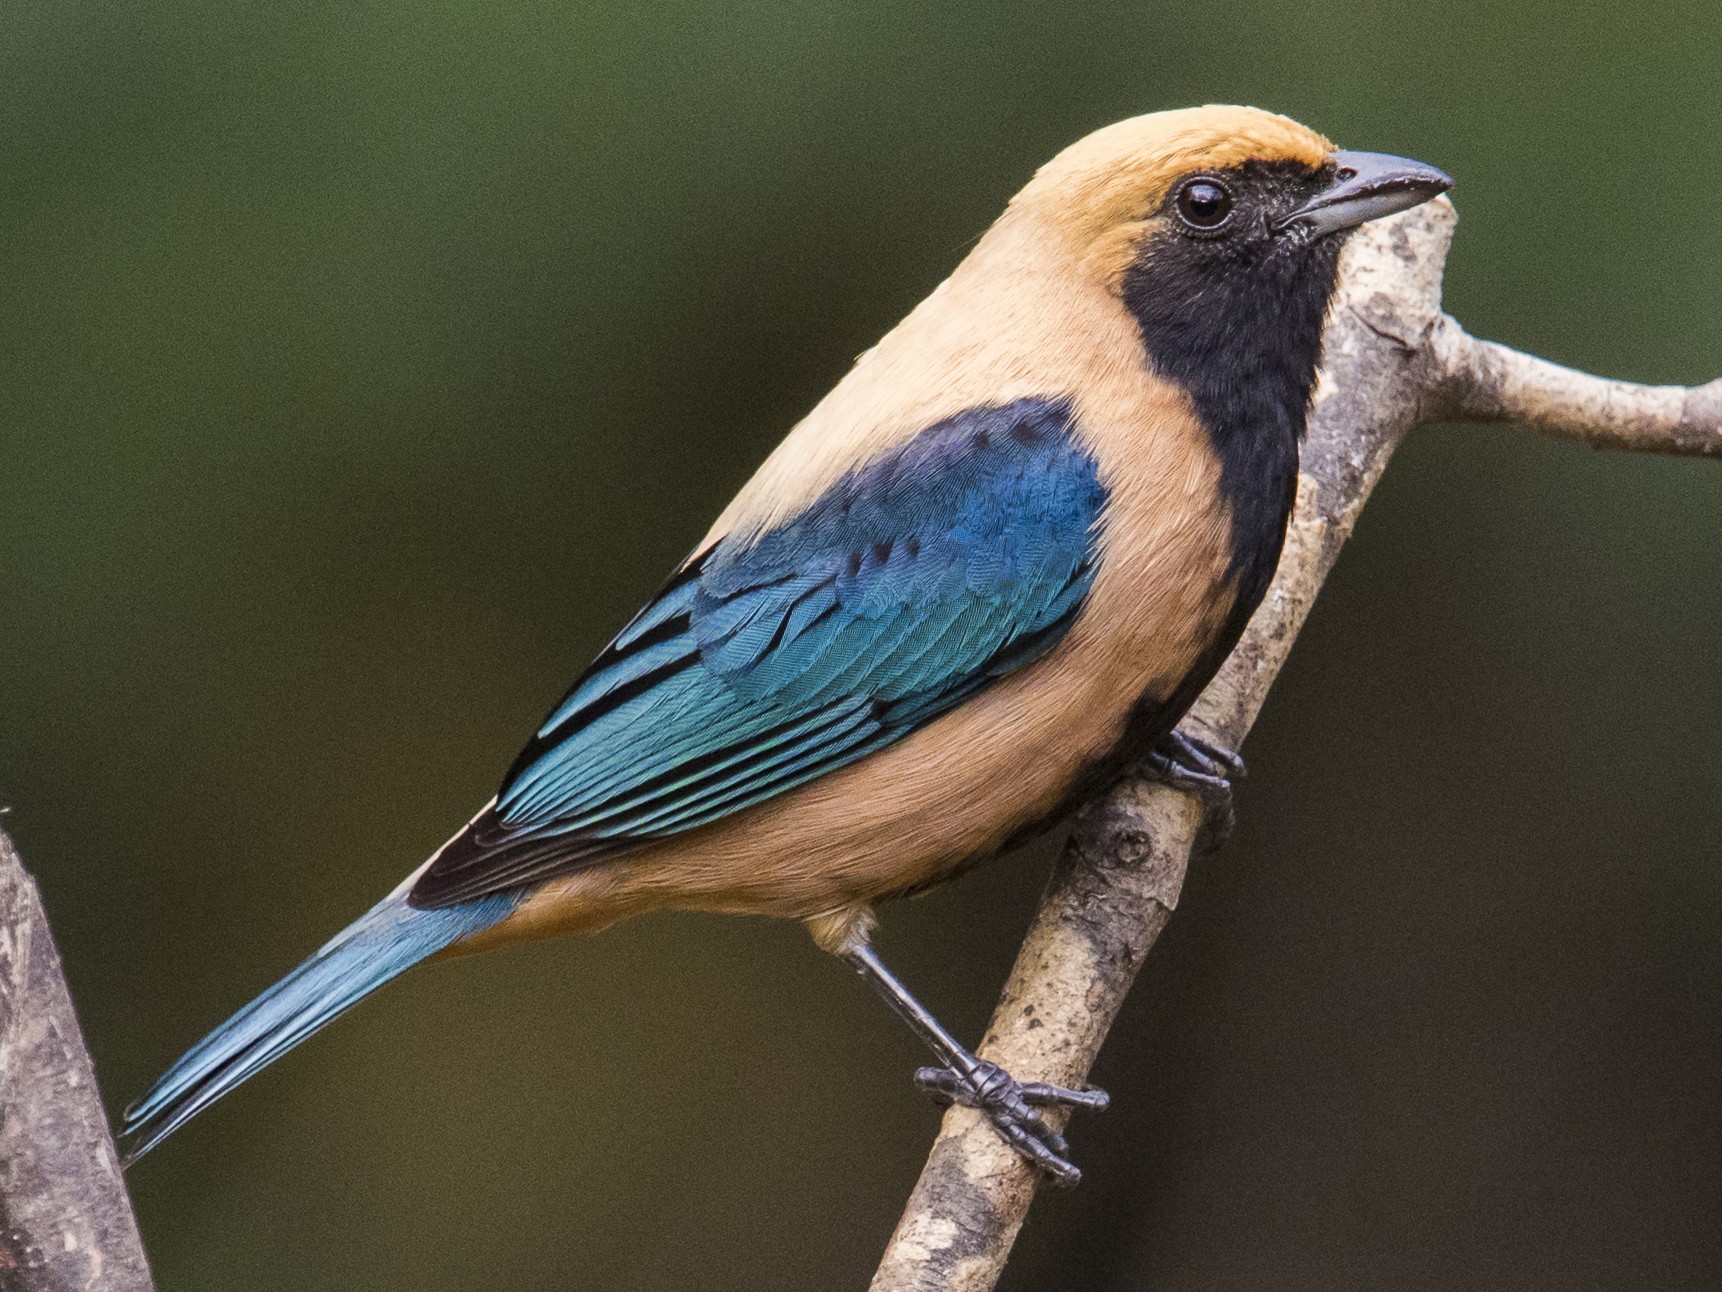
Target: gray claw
point(1198, 766)
point(1044, 1096)
point(1012, 1107)
point(942, 1085)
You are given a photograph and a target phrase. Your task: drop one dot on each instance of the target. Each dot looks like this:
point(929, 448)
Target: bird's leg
point(1198, 766)
point(1011, 1105)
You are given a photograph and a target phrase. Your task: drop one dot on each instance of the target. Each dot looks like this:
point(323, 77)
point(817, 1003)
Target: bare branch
point(1483, 381)
point(1392, 361)
point(65, 1217)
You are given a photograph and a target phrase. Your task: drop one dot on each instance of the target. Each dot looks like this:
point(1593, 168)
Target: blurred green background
point(366, 363)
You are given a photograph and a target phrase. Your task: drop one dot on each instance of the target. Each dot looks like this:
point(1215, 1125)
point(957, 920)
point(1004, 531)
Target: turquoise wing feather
point(774, 658)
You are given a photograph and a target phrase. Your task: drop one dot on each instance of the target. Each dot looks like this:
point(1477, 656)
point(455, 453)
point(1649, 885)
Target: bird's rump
point(776, 657)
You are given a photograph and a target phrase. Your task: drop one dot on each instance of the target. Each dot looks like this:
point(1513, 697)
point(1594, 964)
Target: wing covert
point(774, 658)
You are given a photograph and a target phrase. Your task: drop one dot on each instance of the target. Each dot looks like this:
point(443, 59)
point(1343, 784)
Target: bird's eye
point(1204, 204)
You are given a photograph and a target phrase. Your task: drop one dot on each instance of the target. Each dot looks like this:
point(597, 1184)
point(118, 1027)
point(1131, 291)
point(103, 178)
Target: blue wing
point(908, 586)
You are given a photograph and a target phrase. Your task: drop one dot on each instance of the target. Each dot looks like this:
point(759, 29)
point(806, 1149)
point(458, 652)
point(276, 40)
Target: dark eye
point(1204, 204)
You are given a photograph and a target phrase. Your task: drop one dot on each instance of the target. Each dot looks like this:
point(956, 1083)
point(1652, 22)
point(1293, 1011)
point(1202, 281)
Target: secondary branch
point(1484, 381)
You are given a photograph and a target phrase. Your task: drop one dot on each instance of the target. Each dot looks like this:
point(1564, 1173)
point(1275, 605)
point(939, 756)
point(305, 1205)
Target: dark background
point(365, 364)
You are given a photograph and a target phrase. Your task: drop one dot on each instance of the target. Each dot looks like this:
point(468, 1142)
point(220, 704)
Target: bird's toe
point(1013, 1109)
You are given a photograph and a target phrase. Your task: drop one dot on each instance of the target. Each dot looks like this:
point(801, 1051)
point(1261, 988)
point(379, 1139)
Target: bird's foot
point(1198, 766)
point(1013, 1107)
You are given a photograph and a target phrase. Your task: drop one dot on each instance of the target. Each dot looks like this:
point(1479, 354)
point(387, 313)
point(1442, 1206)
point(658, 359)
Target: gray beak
point(1366, 186)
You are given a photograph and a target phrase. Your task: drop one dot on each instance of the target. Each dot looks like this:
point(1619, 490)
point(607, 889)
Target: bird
point(988, 573)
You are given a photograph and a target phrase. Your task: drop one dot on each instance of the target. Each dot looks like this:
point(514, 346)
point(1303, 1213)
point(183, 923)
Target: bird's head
point(1218, 229)
point(1214, 186)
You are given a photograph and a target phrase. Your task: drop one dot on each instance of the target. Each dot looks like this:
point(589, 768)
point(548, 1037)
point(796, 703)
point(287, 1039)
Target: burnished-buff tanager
point(992, 568)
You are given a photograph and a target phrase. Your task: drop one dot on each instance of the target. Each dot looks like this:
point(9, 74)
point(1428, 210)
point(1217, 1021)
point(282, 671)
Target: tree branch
point(1392, 360)
point(65, 1217)
point(1484, 381)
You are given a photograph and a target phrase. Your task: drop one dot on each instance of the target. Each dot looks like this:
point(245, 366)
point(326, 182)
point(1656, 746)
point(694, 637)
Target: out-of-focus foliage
point(365, 364)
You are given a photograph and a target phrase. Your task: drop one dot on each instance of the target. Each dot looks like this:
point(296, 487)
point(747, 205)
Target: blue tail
point(385, 942)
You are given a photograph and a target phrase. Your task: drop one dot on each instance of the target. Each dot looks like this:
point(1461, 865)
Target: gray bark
point(65, 1217)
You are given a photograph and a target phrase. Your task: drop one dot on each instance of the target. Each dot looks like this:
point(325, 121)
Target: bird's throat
point(1243, 339)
